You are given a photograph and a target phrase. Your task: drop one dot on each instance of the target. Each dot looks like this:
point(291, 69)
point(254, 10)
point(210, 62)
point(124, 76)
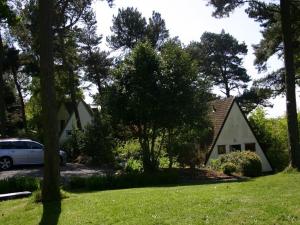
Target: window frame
point(231, 147)
point(249, 149)
point(223, 150)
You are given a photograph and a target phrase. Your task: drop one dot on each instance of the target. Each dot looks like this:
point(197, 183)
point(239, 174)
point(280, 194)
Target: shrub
point(130, 180)
point(99, 141)
point(251, 164)
point(74, 145)
point(17, 184)
point(246, 162)
point(133, 166)
point(229, 168)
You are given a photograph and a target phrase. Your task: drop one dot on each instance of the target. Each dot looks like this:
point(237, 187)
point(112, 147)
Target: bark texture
point(291, 107)
point(50, 187)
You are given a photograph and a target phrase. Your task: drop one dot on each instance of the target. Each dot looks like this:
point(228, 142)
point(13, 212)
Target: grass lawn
point(266, 200)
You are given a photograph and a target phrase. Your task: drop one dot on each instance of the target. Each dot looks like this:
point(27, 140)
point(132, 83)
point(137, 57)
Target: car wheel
point(6, 163)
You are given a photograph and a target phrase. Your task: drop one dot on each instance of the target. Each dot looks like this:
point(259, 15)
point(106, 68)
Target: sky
point(188, 20)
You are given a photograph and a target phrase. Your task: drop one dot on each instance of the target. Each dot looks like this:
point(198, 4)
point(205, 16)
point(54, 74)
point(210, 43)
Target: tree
point(223, 8)
point(8, 17)
point(220, 60)
point(156, 31)
point(129, 28)
point(135, 99)
point(21, 80)
point(154, 94)
point(254, 97)
point(50, 187)
point(97, 63)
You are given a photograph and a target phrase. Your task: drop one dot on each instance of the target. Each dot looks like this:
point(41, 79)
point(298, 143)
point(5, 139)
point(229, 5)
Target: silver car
point(23, 152)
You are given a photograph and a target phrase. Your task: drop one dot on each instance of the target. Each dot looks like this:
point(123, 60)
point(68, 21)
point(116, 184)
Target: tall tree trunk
point(50, 188)
point(2, 94)
point(14, 72)
point(291, 107)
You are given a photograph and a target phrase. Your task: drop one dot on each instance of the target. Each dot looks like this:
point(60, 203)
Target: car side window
point(20, 145)
point(5, 145)
point(34, 145)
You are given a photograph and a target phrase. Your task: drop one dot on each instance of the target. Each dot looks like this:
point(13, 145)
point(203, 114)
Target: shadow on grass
point(51, 213)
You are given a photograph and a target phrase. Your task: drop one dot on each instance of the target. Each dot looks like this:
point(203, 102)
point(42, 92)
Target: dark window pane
point(34, 145)
point(221, 149)
point(20, 145)
point(234, 148)
point(5, 145)
point(250, 147)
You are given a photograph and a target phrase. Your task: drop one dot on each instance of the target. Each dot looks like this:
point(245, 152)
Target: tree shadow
point(51, 213)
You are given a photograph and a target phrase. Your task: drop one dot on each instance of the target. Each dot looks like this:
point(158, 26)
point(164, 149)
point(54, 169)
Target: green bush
point(229, 168)
point(130, 180)
point(18, 184)
point(246, 162)
point(251, 164)
point(74, 145)
point(133, 166)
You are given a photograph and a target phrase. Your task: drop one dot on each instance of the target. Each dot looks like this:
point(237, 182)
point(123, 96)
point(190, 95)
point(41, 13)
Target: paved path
point(69, 170)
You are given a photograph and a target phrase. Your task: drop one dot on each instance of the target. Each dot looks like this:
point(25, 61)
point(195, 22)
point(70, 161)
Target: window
point(5, 145)
point(34, 145)
point(235, 148)
point(250, 146)
point(20, 145)
point(221, 149)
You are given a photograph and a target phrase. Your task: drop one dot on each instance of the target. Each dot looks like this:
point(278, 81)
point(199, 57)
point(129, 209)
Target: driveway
point(69, 170)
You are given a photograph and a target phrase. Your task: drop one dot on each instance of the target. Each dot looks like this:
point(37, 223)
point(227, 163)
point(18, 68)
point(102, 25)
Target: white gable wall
point(85, 119)
point(237, 131)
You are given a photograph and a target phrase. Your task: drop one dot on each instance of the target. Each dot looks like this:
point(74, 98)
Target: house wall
point(85, 119)
point(62, 114)
point(237, 131)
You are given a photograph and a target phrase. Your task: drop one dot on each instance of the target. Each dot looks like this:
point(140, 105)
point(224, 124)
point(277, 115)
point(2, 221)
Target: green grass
point(266, 200)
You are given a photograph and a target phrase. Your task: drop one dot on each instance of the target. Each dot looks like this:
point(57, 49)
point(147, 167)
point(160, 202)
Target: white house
point(67, 119)
point(232, 132)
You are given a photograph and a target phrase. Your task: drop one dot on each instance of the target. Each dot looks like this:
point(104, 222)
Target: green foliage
point(157, 93)
point(272, 136)
point(229, 168)
point(18, 184)
point(133, 166)
point(127, 150)
point(130, 180)
point(251, 164)
point(130, 28)
point(99, 141)
point(75, 144)
point(254, 97)
point(246, 162)
point(96, 141)
point(220, 59)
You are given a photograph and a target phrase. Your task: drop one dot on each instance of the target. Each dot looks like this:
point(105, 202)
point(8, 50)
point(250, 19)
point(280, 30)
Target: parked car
point(23, 152)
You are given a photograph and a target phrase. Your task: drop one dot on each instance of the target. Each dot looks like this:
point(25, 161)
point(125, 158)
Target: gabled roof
point(219, 110)
point(69, 106)
point(70, 109)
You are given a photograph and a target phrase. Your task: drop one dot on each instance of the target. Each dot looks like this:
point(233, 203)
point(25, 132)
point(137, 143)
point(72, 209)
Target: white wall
point(85, 119)
point(236, 131)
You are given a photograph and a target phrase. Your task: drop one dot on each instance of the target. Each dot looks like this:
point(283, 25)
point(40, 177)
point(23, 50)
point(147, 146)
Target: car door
point(19, 151)
point(36, 155)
